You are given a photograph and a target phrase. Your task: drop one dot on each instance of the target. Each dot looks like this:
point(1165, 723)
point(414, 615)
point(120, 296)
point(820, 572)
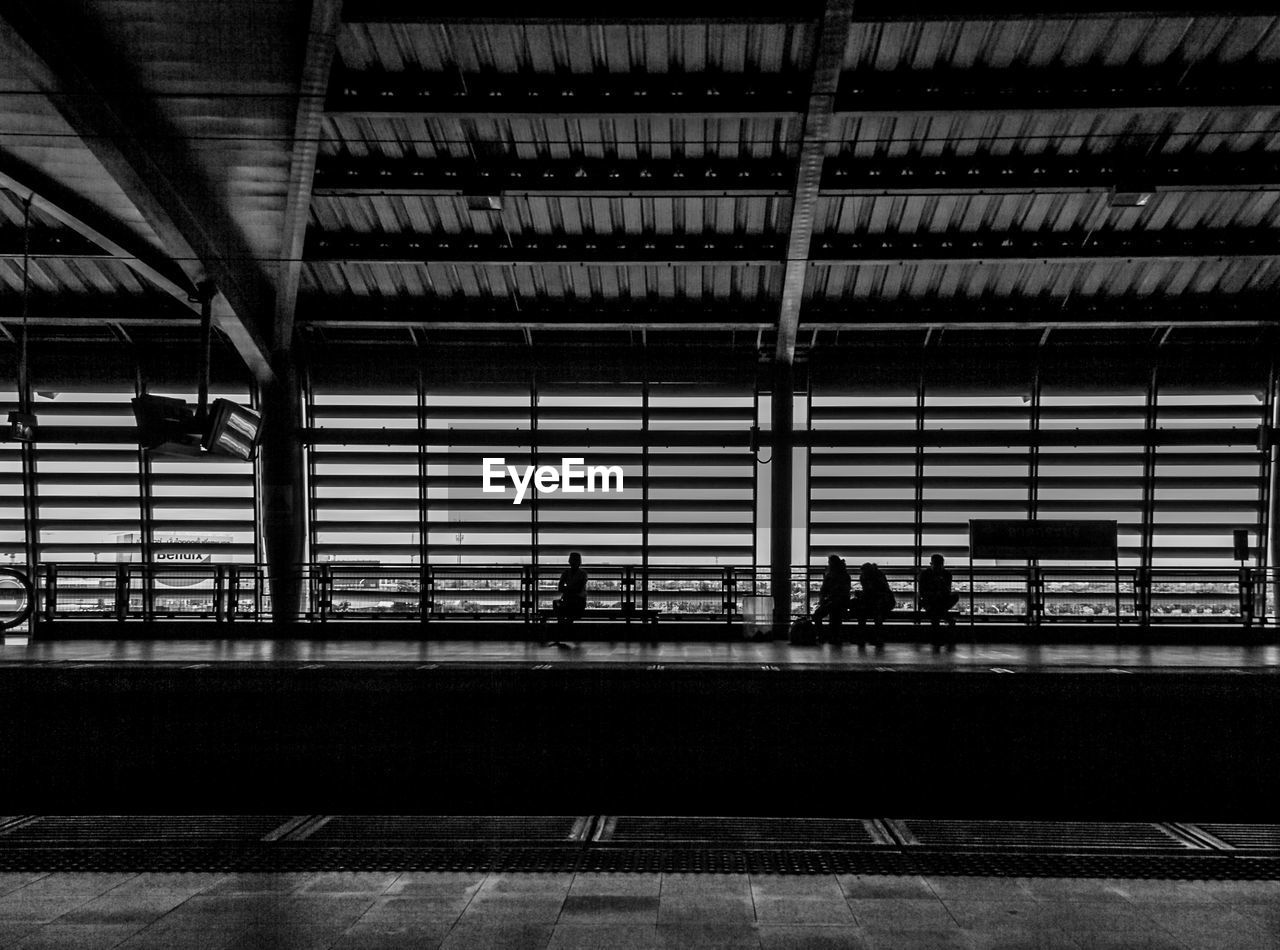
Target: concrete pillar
point(783, 419)
point(283, 499)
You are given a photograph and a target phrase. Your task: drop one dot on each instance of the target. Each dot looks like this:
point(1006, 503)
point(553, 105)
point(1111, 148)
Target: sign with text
point(1042, 540)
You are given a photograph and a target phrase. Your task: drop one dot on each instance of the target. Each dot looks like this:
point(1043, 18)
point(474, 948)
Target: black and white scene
point(639, 475)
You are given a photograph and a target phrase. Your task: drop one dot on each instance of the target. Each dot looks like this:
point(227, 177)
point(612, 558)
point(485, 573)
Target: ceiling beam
point(833, 37)
point(1014, 313)
point(582, 178)
point(639, 12)
point(882, 11)
point(673, 12)
point(1050, 174)
point(49, 243)
point(447, 313)
point(402, 95)
point(317, 60)
point(91, 223)
point(903, 93)
point(1234, 244)
point(535, 249)
point(913, 93)
point(765, 178)
point(109, 112)
point(768, 250)
point(153, 309)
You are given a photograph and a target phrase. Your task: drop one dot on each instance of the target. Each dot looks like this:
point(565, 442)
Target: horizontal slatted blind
point(466, 525)
point(1089, 481)
point(982, 481)
point(12, 527)
point(89, 493)
point(862, 498)
point(365, 498)
point(702, 496)
point(605, 528)
point(204, 506)
point(1202, 492)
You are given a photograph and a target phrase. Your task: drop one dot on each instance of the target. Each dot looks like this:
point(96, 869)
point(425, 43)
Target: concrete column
point(783, 420)
point(283, 499)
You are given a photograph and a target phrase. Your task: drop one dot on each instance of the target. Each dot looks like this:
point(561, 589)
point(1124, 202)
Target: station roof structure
point(383, 171)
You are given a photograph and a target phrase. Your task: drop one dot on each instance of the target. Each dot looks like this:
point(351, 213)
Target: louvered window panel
point(365, 499)
point(983, 480)
point(862, 498)
point(12, 525)
point(605, 527)
point(202, 511)
point(1092, 479)
point(109, 530)
point(1204, 491)
point(465, 524)
point(701, 495)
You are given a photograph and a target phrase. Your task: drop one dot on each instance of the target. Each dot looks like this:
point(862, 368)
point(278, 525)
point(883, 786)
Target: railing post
point(627, 593)
point(122, 592)
point(1035, 595)
point(1244, 581)
point(728, 594)
point(529, 600)
point(322, 589)
point(219, 590)
point(50, 592)
point(233, 592)
point(1142, 595)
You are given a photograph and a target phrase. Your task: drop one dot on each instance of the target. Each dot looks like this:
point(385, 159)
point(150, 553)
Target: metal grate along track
point(409, 830)
point(174, 830)
point(742, 832)
point(1038, 835)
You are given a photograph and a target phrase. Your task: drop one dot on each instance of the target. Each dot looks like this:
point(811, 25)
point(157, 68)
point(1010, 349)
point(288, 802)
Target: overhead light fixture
point(484, 203)
point(22, 426)
point(1130, 196)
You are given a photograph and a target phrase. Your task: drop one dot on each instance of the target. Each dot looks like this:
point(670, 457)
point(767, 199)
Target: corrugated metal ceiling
point(583, 49)
point(1090, 41)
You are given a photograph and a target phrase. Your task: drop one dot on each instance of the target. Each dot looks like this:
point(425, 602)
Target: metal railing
point(1038, 595)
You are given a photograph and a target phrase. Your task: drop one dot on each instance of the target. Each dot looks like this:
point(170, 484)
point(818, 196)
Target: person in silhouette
point(572, 602)
point(873, 601)
point(833, 600)
point(937, 597)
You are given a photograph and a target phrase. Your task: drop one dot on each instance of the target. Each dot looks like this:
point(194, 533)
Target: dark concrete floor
point(965, 656)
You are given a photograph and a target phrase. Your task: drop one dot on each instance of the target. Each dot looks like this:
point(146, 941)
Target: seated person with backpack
point(936, 595)
point(833, 600)
point(874, 601)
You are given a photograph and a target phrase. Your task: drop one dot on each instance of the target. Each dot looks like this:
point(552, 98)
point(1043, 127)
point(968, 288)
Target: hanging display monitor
point(233, 430)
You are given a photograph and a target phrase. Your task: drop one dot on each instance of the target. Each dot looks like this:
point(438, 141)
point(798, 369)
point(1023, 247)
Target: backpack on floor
point(803, 633)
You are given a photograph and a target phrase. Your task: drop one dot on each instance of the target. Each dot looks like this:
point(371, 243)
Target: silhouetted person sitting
point(833, 600)
point(936, 595)
point(874, 600)
point(572, 602)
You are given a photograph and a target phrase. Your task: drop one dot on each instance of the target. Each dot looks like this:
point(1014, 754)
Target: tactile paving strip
point(1038, 835)
point(1246, 837)
point(408, 830)
point(1189, 867)
point(179, 830)
point(750, 832)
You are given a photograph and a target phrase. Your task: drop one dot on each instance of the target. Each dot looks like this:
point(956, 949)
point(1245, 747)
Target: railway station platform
point(986, 731)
